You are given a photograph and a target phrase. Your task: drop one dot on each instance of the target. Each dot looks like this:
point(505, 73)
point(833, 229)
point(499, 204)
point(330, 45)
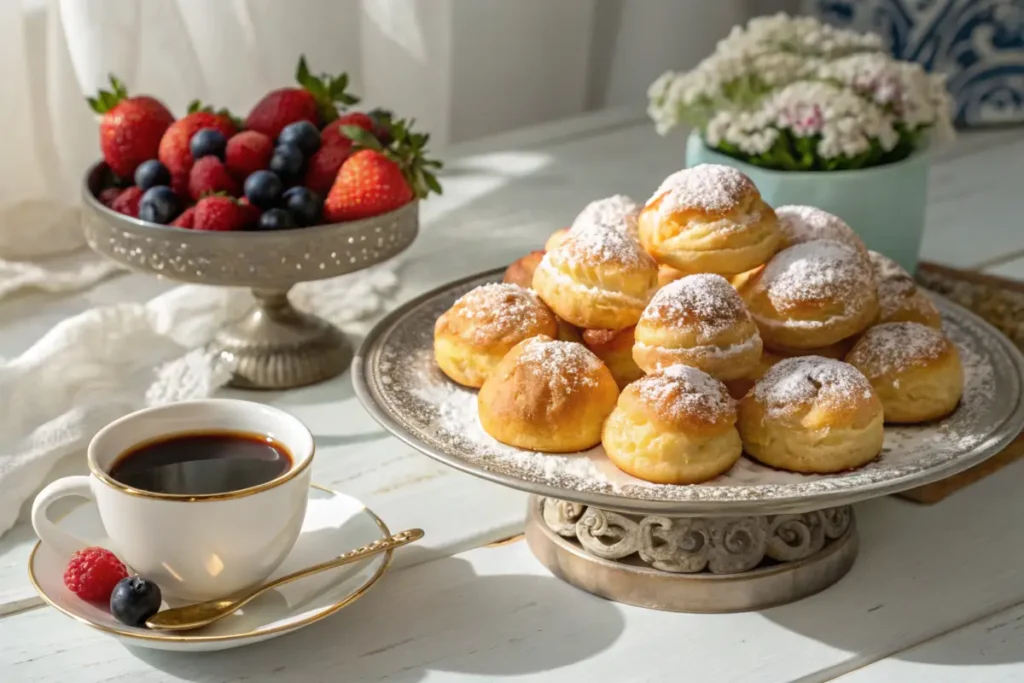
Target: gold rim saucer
point(168, 638)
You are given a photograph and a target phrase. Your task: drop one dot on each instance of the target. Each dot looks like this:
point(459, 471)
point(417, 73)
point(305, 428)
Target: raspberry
point(92, 574)
point(248, 152)
point(108, 196)
point(127, 202)
point(209, 176)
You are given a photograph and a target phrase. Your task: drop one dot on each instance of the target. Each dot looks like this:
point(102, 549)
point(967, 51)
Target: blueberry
point(304, 205)
point(276, 219)
point(303, 135)
point(287, 161)
point(150, 174)
point(263, 188)
point(134, 600)
point(207, 142)
point(159, 205)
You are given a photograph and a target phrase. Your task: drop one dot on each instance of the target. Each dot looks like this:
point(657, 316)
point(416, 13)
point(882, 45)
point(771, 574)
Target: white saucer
point(334, 524)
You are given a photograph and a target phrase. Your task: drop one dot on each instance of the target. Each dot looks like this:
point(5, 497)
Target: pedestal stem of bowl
point(277, 346)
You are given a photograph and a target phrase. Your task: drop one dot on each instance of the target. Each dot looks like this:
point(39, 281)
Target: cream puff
point(812, 415)
point(800, 224)
point(547, 395)
point(615, 349)
point(520, 272)
point(914, 369)
point(597, 278)
point(556, 238)
point(738, 388)
point(709, 219)
point(472, 336)
point(675, 426)
point(812, 295)
point(699, 321)
point(618, 211)
point(668, 274)
point(899, 299)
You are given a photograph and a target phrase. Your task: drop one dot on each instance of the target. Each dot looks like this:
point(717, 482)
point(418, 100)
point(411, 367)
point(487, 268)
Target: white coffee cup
point(194, 547)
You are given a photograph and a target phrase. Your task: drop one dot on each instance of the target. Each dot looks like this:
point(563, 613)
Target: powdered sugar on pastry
point(820, 270)
point(565, 364)
point(600, 244)
point(895, 347)
point(498, 309)
point(681, 392)
point(807, 223)
point(618, 211)
point(705, 300)
point(795, 381)
point(711, 188)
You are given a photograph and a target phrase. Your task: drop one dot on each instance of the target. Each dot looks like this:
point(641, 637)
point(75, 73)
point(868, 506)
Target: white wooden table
point(936, 594)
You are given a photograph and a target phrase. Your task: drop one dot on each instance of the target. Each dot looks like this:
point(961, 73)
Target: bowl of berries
point(299, 190)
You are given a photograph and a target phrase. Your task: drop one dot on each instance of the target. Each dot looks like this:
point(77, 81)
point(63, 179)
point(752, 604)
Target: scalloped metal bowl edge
point(1008, 430)
point(264, 260)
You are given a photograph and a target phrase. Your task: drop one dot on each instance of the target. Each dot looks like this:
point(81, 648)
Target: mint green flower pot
point(885, 204)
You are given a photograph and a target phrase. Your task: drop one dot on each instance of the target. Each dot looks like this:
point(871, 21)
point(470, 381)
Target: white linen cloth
point(106, 362)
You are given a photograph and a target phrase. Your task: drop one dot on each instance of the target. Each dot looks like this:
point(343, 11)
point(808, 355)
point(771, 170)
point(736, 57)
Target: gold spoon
point(203, 613)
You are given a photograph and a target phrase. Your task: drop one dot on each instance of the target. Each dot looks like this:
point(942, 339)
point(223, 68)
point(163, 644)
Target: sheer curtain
point(462, 68)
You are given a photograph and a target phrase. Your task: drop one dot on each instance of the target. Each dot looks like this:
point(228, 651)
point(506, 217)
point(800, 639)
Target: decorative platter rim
point(373, 387)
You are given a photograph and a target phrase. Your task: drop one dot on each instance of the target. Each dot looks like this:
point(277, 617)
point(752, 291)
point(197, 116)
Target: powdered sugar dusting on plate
point(711, 188)
point(618, 211)
point(822, 270)
point(895, 347)
point(791, 384)
point(400, 374)
point(706, 301)
point(808, 223)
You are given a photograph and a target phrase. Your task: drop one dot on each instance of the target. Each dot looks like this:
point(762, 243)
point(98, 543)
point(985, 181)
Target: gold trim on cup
point(256, 633)
point(292, 472)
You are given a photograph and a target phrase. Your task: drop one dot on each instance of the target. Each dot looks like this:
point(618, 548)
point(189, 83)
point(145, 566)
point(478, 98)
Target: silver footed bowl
point(274, 346)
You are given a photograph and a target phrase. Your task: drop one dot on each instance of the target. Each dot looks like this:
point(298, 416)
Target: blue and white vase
point(885, 205)
point(979, 44)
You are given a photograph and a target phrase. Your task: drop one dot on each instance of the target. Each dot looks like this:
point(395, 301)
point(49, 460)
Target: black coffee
point(202, 463)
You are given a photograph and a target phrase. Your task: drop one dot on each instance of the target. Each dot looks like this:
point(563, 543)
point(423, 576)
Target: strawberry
point(208, 176)
point(313, 102)
point(219, 213)
point(252, 213)
point(128, 201)
point(332, 135)
point(131, 127)
point(186, 218)
point(322, 168)
point(108, 195)
point(174, 150)
point(247, 152)
point(379, 179)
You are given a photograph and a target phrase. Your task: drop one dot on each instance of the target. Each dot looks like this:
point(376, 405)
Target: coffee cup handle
point(50, 534)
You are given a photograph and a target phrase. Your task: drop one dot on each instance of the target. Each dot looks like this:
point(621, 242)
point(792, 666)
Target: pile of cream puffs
point(697, 327)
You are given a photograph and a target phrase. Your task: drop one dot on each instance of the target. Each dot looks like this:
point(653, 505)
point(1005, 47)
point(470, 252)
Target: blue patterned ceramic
point(978, 43)
point(884, 204)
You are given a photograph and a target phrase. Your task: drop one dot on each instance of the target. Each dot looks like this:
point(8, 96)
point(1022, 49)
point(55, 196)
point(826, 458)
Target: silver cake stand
point(749, 539)
point(274, 346)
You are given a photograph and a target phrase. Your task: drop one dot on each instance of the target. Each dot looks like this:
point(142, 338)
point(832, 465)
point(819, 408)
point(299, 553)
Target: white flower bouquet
point(794, 94)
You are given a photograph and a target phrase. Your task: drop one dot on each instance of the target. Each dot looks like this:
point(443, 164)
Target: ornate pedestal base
point(692, 564)
point(276, 346)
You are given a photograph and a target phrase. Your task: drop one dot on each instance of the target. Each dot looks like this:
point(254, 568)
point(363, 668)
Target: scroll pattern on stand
point(688, 545)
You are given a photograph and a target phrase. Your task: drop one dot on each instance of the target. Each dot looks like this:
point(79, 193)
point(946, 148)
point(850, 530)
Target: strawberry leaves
point(197, 106)
point(408, 149)
point(106, 100)
point(326, 89)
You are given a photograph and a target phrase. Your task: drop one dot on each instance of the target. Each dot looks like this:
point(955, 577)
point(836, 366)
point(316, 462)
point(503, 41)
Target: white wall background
point(462, 68)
